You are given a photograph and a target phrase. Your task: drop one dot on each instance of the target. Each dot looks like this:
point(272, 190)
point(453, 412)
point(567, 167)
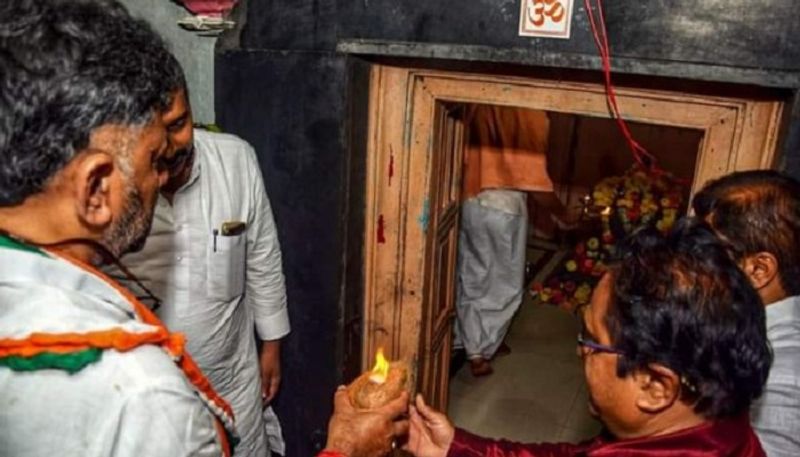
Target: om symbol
point(540, 10)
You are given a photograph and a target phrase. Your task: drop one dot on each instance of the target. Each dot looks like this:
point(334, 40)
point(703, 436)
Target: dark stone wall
point(282, 86)
point(722, 32)
point(738, 33)
point(290, 107)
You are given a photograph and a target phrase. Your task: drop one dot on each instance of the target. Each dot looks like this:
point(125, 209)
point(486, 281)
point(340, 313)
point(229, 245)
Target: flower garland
point(623, 204)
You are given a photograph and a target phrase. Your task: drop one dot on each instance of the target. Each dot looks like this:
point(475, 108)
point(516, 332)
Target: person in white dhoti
point(214, 260)
point(505, 162)
point(85, 369)
point(491, 266)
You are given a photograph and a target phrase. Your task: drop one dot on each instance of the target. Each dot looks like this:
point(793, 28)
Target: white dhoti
point(491, 269)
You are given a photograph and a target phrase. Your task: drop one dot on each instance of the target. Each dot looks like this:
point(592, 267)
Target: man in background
point(214, 261)
point(758, 214)
point(505, 166)
point(674, 351)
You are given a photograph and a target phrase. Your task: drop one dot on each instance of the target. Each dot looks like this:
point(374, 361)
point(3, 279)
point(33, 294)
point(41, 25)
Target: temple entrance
point(416, 148)
point(589, 191)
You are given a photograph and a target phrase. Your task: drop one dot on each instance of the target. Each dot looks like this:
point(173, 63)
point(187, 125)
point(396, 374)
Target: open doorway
point(413, 185)
point(536, 392)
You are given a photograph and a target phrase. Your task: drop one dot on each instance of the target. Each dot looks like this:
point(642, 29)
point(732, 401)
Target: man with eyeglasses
point(674, 350)
point(213, 261)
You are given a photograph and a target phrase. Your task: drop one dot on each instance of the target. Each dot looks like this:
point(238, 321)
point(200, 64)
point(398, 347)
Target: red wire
point(640, 154)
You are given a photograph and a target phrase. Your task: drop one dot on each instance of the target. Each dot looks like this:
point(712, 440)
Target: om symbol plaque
point(545, 18)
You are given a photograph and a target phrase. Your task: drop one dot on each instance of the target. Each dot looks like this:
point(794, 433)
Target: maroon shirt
point(731, 437)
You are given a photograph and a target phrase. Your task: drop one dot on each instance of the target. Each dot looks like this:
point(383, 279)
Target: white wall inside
point(194, 52)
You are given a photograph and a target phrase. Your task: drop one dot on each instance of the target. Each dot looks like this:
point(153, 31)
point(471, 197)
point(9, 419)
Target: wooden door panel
point(444, 281)
point(441, 254)
point(435, 378)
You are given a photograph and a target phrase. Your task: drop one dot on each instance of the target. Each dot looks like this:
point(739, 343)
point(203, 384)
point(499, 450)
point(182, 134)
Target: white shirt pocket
point(226, 266)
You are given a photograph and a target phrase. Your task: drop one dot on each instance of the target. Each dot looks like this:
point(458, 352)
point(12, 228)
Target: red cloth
point(327, 453)
point(723, 438)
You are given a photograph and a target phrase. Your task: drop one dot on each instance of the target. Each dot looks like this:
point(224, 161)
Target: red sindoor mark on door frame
point(391, 165)
point(381, 228)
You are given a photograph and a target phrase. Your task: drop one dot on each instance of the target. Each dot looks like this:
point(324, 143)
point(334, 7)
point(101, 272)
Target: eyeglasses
point(592, 346)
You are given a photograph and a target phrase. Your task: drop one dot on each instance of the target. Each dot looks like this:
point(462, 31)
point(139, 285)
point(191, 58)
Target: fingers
point(428, 413)
point(341, 401)
point(417, 426)
point(418, 432)
point(274, 384)
point(400, 428)
point(396, 407)
point(424, 410)
point(414, 437)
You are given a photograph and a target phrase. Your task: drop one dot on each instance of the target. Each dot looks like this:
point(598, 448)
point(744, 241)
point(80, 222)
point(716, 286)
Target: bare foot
point(480, 367)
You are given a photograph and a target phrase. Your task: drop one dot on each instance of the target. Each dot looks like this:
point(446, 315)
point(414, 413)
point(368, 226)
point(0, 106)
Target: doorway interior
point(415, 151)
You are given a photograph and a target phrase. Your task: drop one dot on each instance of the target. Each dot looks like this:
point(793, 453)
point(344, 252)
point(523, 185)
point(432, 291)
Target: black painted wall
point(282, 86)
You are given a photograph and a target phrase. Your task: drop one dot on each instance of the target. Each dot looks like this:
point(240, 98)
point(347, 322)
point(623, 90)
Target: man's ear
point(93, 175)
point(761, 268)
point(659, 387)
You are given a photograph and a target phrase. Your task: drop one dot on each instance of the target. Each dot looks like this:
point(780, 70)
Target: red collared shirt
point(732, 437)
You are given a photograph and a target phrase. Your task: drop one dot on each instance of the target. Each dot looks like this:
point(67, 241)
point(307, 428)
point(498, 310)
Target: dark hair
point(68, 67)
point(682, 302)
point(757, 211)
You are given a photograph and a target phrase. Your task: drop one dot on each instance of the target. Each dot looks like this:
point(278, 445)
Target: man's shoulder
point(141, 390)
point(218, 140)
point(226, 151)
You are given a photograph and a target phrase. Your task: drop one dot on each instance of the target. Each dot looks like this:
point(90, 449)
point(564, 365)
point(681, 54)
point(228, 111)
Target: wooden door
point(441, 255)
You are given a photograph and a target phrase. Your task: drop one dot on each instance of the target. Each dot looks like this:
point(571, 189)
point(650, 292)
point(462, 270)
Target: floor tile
point(537, 393)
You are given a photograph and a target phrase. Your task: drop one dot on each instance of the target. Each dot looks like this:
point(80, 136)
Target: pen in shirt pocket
point(229, 228)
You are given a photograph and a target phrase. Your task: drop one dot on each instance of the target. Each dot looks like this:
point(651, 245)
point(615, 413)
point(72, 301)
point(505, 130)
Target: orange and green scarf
point(72, 352)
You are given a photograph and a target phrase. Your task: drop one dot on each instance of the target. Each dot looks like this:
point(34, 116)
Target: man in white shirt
point(85, 369)
point(758, 214)
point(214, 260)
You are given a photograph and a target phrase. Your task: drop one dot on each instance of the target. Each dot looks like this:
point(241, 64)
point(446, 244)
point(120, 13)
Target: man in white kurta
point(213, 259)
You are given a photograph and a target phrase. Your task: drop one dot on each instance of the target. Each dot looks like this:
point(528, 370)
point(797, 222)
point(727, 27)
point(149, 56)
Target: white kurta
point(491, 269)
point(220, 290)
point(776, 415)
point(137, 403)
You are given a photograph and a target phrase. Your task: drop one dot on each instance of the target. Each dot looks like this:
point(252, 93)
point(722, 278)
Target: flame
point(381, 369)
point(607, 211)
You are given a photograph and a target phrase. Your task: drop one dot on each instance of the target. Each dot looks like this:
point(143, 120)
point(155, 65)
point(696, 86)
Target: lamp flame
point(381, 369)
point(607, 211)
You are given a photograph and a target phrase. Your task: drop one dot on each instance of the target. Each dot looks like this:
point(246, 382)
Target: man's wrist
point(272, 347)
point(331, 453)
point(339, 447)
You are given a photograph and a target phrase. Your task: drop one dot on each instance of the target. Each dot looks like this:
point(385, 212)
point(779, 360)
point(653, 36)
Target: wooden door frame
point(739, 134)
